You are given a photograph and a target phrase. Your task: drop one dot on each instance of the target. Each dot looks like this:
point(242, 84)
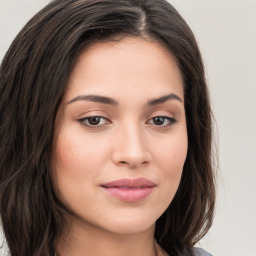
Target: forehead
point(131, 63)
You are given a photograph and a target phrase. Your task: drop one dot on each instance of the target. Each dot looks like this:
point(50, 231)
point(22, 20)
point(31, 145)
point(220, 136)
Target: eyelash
point(170, 120)
point(85, 121)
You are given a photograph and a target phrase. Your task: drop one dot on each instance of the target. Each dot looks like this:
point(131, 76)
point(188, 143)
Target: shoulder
point(201, 252)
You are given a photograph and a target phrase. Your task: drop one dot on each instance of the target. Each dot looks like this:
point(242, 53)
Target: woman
point(105, 133)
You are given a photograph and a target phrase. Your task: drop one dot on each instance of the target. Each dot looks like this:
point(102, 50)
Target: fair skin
point(135, 127)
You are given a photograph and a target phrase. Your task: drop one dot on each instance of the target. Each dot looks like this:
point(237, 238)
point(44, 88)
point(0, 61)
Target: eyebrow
point(94, 98)
point(163, 99)
point(111, 101)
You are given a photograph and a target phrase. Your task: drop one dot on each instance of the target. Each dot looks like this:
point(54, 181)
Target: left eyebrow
point(164, 98)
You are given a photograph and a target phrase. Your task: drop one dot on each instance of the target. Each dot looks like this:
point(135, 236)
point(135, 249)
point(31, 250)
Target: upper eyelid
point(86, 117)
point(162, 113)
point(172, 119)
point(93, 113)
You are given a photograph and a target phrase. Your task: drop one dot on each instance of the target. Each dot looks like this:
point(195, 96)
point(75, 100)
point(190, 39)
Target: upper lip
point(129, 183)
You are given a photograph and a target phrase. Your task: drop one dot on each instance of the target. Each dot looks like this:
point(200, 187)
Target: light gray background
point(226, 33)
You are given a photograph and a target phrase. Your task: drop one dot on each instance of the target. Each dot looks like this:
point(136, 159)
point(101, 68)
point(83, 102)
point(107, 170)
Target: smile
point(129, 190)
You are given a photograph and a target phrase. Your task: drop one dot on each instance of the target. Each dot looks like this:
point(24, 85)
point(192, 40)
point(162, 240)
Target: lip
point(129, 190)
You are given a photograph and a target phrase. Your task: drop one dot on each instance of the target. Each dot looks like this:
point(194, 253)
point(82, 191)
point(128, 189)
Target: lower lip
point(130, 194)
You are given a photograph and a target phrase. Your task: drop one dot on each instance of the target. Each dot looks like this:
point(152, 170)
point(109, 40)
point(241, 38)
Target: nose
point(131, 148)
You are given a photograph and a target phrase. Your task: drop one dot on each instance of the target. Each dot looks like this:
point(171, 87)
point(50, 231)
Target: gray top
point(201, 252)
point(5, 252)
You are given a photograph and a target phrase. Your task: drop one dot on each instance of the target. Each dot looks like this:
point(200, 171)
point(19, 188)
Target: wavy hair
point(33, 80)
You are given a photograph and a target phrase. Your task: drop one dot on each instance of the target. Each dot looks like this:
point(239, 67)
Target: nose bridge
point(134, 139)
point(131, 146)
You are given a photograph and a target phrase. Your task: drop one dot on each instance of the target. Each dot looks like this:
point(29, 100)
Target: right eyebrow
point(94, 98)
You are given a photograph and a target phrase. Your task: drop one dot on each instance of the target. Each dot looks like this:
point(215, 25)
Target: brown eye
point(158, 120)
point(163, 121)
point(94, 121)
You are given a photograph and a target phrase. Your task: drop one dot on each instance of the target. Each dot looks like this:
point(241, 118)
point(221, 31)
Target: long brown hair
point(33, 79)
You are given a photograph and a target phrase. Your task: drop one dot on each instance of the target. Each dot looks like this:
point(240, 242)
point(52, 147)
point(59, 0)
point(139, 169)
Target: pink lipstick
point(129, 190)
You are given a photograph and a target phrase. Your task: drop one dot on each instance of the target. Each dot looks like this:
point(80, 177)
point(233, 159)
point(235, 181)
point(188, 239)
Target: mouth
point(129, 190)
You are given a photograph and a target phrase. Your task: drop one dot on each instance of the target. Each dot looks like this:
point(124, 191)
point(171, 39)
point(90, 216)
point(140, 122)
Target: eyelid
point(92, 113)
point(84, 119)
point(170, 119)
point(164, 114)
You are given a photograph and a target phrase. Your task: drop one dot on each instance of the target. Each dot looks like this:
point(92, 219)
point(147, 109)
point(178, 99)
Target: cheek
point(171, 159)
point(68, 162)
point(74, 152)
point(72, 165)
point(77, 161)
point(171, 154)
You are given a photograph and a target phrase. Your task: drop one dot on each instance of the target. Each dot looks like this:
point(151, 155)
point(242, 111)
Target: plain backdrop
point(226, 33)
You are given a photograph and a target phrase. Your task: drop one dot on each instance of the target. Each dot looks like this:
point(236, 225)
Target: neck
point(82, 239)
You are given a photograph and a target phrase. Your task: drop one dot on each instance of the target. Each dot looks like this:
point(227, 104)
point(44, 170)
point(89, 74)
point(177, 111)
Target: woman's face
point(121, 143)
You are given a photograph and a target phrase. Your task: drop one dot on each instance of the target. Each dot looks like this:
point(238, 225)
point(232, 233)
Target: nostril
point(133, 164)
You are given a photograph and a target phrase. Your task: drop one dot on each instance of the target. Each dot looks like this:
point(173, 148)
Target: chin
point(131, 227)
point(130, 222)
